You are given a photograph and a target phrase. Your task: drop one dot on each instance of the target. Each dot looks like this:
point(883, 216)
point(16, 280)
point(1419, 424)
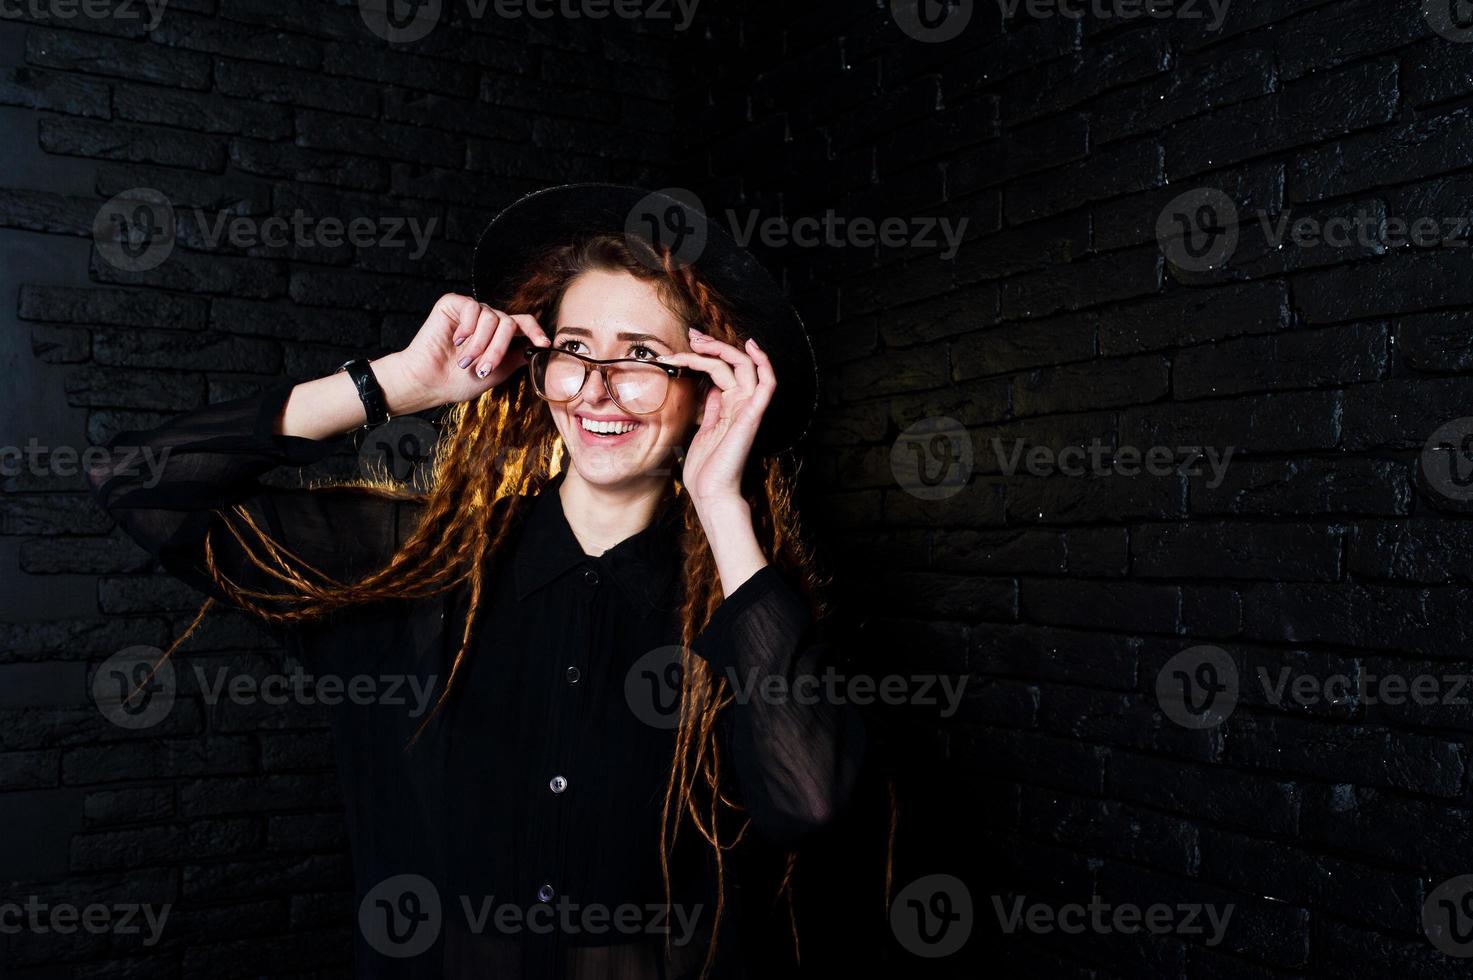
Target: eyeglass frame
point(673, 370)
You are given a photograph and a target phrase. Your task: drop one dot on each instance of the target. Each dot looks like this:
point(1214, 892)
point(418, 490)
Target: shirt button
point(557, 784)
point(545, 893)
point(591, 577)
point(573, 674)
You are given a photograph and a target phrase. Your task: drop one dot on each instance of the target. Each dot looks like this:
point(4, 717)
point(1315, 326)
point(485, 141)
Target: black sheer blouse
point(519, 835)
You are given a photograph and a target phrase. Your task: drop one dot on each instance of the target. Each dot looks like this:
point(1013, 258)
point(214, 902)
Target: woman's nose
point(595, 386)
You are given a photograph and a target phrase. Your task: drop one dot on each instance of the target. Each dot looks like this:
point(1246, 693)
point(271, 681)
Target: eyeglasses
point(637, 387)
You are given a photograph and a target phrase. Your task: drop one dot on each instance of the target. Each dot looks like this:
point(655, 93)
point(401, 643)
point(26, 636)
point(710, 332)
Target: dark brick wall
point(1069, 311)
point(1066, 317)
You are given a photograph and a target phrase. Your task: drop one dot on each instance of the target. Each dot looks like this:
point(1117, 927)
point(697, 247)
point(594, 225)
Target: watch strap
point(375, 408)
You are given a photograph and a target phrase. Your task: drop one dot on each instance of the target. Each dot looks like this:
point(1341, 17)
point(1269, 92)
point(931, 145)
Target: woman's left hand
point(742, 389)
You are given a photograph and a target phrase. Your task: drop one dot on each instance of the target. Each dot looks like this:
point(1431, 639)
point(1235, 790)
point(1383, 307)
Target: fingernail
point(482, 371)
point(463, 362)
point(696, 333)
point(460, 340)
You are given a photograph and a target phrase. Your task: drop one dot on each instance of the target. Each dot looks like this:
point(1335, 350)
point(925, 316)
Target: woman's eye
point(567, 344)
point(644, 353)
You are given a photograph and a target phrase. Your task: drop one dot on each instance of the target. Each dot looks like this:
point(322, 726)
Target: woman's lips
point(594, 439)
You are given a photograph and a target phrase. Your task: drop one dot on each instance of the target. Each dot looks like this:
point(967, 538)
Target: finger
point(711, 413)
point(766, 377)
point(462, 312)
point(528, 325)
point(475, 345)
point(745, 371)
point(719, 370)
point(506, 329)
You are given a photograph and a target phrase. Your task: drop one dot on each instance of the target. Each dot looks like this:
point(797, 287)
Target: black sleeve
point(166, 487)
point(797, 749)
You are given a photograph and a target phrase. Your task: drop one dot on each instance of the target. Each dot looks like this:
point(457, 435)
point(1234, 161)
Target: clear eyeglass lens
point(637, 388)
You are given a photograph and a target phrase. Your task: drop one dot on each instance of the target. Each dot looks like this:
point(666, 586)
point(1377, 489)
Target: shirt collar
point(643, 564)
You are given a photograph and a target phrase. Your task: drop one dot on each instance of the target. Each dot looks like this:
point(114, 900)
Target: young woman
point(603, 584)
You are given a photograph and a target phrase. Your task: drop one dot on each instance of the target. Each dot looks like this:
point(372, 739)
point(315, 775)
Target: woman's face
point(613, 314)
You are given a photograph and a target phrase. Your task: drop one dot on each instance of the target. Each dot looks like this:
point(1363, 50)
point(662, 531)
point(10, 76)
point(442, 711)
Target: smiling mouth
point(610, 427)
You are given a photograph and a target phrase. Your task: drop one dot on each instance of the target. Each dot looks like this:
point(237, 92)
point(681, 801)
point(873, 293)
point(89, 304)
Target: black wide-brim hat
point(561, 215)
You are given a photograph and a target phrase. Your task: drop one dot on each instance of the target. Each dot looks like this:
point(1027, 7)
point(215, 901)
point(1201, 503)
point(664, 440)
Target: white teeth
point(606, 428)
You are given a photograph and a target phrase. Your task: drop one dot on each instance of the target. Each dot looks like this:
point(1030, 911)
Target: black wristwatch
point(369, 392)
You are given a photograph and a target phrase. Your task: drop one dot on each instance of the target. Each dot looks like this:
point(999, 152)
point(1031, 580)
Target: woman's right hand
point(465, 347)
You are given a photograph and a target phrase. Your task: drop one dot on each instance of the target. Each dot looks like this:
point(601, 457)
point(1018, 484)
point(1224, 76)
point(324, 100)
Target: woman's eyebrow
point(621, 335)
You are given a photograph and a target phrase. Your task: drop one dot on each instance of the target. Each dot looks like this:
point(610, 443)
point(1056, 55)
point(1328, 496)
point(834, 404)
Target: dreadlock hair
point(504, 444)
